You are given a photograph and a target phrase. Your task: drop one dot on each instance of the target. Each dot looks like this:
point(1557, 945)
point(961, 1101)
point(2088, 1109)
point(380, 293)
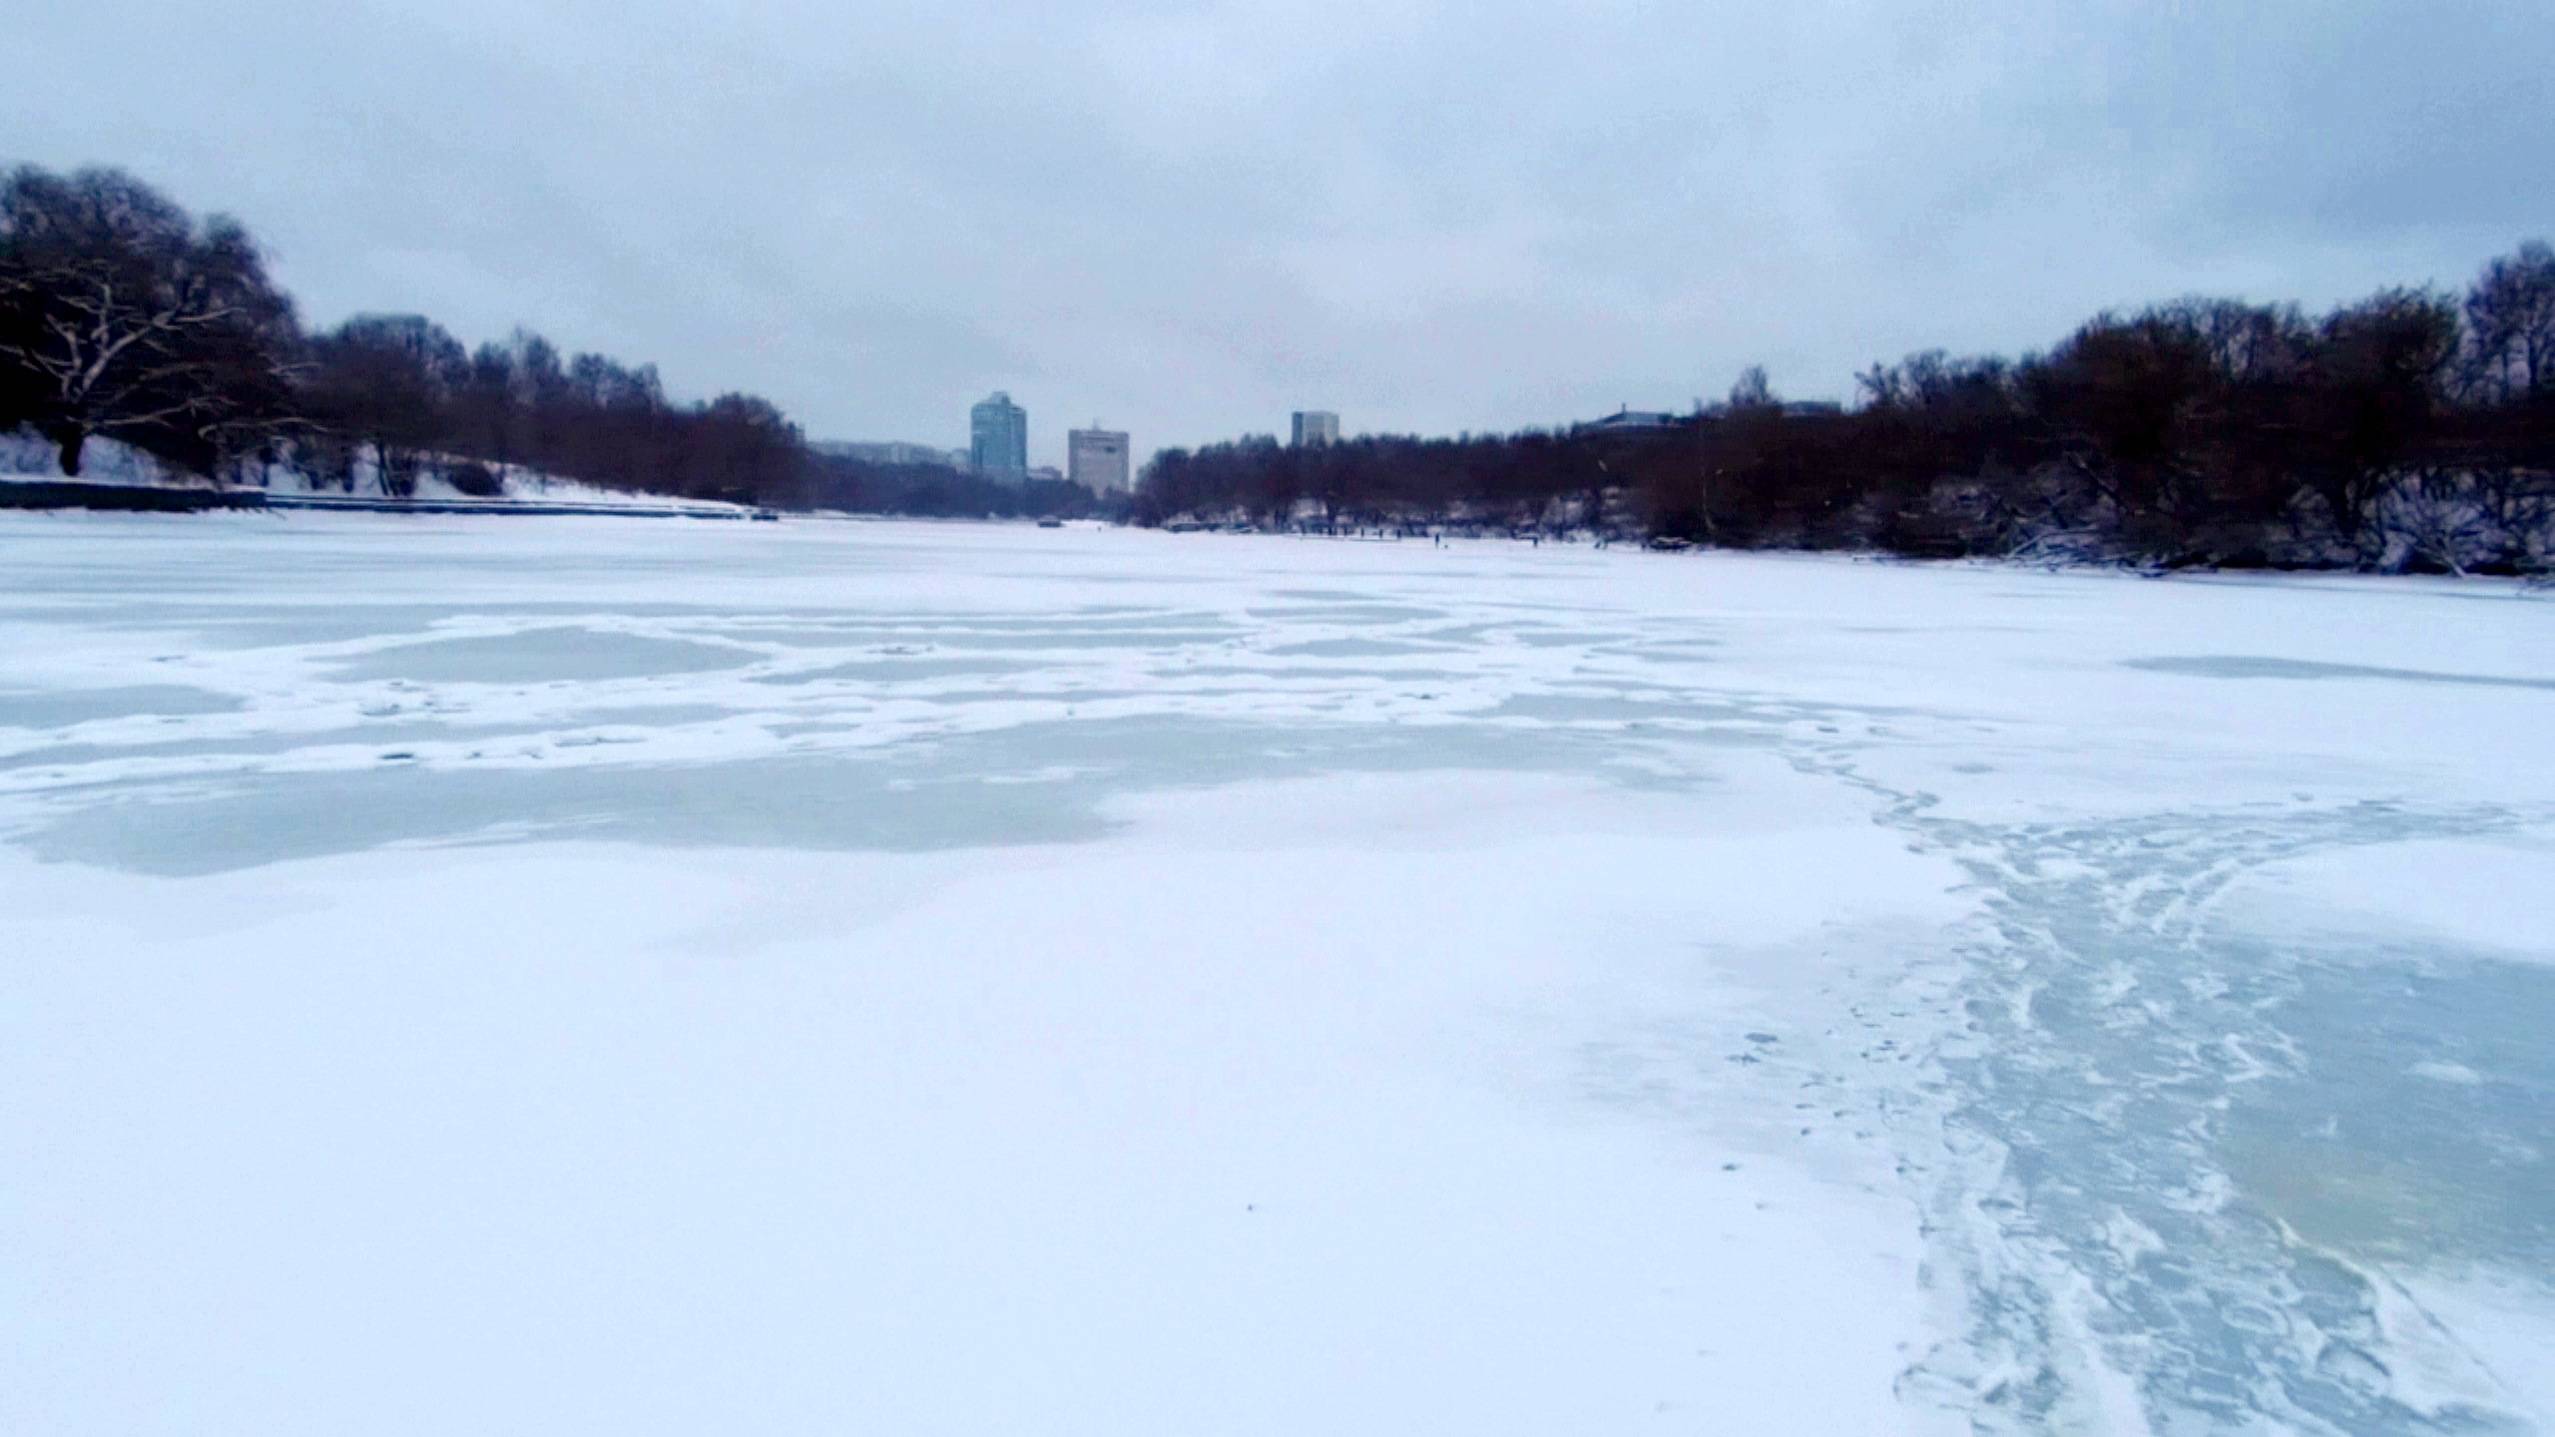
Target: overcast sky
point(1189, 219)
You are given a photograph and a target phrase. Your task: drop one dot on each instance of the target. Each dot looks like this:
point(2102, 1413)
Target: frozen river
point(466, 975)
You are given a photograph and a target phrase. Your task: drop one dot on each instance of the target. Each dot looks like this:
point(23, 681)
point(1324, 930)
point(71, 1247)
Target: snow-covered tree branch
point(122, 316)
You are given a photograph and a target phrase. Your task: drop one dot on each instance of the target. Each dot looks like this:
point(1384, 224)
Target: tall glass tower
point(998, 438)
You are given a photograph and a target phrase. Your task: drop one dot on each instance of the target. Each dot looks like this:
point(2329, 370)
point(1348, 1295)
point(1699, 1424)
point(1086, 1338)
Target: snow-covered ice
point(525, 975)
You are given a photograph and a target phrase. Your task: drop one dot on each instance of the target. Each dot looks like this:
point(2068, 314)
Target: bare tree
point(121, 316)
point(387, 380)
point(1752, 391)
point(2510, 312)
point(2379, 366)
point(2434, 513)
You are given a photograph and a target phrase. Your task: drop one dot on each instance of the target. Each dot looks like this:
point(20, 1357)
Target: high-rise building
point(998, 438)
point(1316, 426)
point(1096, 459)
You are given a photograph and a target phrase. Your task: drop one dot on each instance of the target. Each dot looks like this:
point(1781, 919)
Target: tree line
point(124, 317)
point(2413, 428)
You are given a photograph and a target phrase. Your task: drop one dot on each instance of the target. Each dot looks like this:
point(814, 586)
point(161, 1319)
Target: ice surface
point(583, 975)
point(44, 709)
point(2237, 666)
point(530, 656)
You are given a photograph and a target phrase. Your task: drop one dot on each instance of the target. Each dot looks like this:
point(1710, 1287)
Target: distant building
point(1812, 409)
point(1047, 474)
point(998, 438)
point(1096, 459)
point(1316, 426)
point(1629, 421)
point(893, 453)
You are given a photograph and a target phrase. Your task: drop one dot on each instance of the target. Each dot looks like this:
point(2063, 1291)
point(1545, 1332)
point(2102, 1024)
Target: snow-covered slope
point(25, 455)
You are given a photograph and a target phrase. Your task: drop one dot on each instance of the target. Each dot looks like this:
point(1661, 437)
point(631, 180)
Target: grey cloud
point(1188, 219)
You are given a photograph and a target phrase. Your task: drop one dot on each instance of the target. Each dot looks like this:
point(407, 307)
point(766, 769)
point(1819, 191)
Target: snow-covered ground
point(562, 976)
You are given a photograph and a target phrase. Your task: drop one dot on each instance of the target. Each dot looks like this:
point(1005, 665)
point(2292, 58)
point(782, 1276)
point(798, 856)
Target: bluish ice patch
point(1578, 708)
point(2119, 1059)
point(1067, 638)
point(417, 729)
point(1347, 613)
point(544, 655)
point(1532, 633)
point(911, 797)
point(239, 626)
point(2418, 1123)
point(1113, 619)
point(897, 670)
point(1069, 696)
point(1459, 634)
point(1327, 596)
point(243, 628)
point(1312, 672)
point(1681, 652)
point(2238, 666)
point(61, 708)
point(1108, 629)
point(650, 715)
point(1354, 649)
point(1543, 637)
